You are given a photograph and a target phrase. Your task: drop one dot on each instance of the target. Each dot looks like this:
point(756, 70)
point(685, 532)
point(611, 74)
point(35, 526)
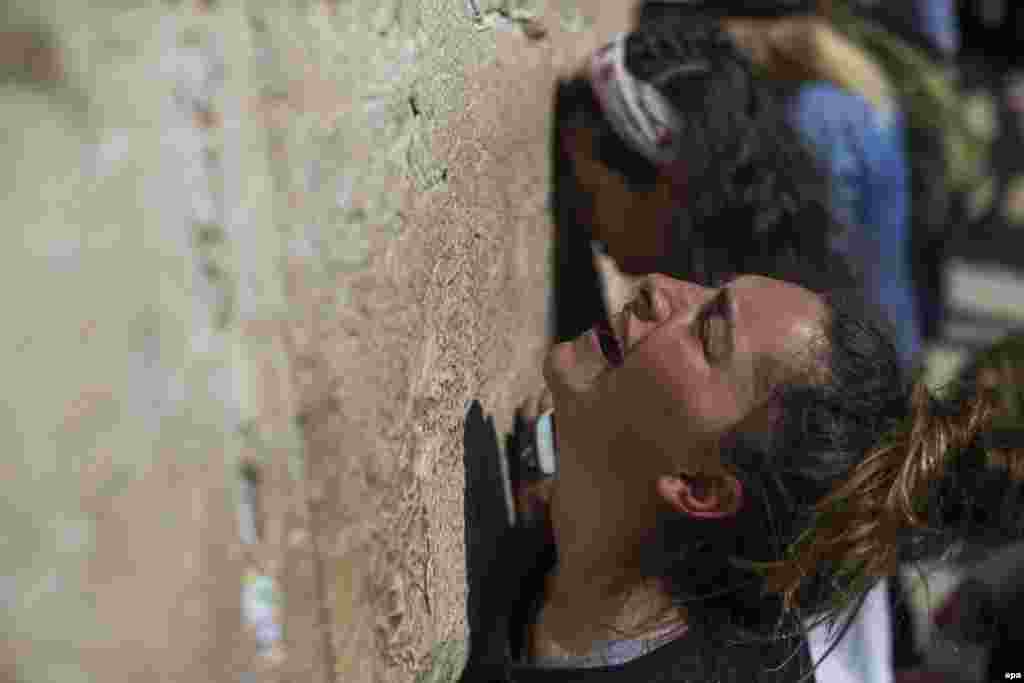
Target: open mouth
point(609, 344)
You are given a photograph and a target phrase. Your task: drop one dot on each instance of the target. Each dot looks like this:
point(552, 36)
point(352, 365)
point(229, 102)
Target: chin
point(556, 365)
point(570, 366)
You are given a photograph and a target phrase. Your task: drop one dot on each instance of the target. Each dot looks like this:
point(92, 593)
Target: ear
point(702, 496)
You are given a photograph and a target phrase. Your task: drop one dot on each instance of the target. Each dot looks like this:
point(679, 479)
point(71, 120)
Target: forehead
point(775, 315)
point(777, 323)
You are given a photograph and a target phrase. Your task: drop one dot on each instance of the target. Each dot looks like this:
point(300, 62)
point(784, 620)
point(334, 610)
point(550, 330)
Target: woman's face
point(694, 363)
point(633, 224)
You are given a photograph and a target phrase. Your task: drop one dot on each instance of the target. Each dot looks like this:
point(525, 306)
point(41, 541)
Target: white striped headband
point(635, 109)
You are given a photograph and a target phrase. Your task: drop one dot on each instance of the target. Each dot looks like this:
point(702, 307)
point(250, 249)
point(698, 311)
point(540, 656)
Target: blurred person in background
point(715, 183)
point(931, 27)
point(846, 110)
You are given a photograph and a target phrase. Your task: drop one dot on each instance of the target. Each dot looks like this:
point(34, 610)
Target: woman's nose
point(659, 297)
point(656, 299)
point(646, 304)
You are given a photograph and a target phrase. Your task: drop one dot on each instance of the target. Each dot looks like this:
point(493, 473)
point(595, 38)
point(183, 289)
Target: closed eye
point(717, 310)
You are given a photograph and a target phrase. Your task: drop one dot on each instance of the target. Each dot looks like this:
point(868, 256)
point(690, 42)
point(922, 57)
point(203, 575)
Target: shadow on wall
point(487, 523)
point(486, 510)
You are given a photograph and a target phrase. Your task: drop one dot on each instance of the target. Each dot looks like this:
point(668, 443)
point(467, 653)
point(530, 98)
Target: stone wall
point(296, 236)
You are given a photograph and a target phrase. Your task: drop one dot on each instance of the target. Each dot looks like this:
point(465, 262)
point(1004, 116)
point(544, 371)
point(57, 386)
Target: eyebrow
point(765, 368)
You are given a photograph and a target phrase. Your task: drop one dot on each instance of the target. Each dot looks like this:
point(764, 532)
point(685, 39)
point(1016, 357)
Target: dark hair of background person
point(756, 200)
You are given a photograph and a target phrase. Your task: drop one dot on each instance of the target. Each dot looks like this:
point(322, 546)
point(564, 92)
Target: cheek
point(646, 396)
point(691, 394)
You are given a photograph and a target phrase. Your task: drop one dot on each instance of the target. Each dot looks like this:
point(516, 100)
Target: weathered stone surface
point(295, 235)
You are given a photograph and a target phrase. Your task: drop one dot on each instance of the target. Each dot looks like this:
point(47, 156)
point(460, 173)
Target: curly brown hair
point(937, 473)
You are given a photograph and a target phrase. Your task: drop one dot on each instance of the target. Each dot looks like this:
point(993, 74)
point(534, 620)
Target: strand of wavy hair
point(857, 526)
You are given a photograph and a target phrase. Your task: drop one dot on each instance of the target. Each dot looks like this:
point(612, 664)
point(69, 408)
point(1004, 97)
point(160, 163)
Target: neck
point(597, 591)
